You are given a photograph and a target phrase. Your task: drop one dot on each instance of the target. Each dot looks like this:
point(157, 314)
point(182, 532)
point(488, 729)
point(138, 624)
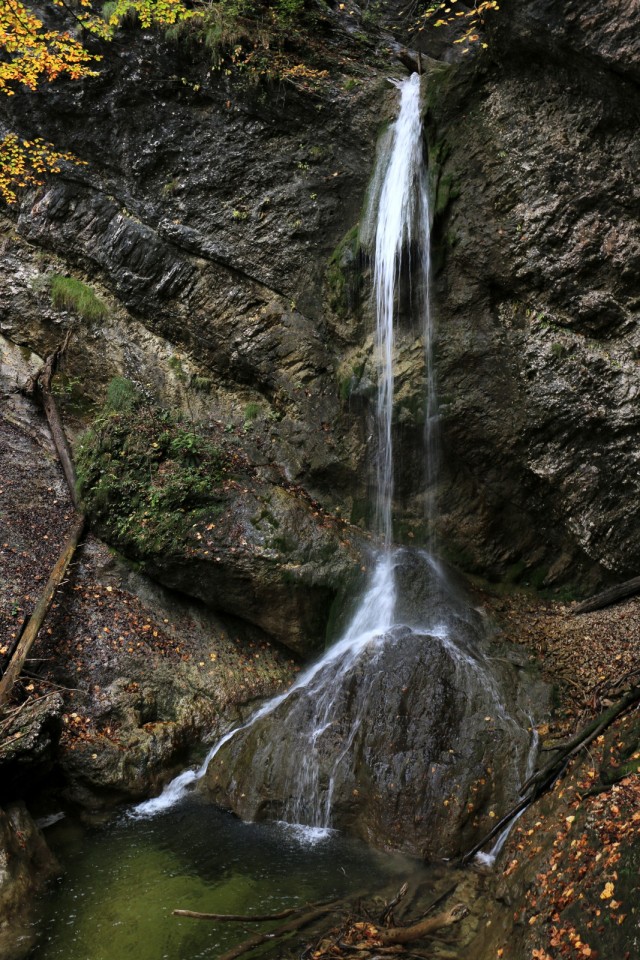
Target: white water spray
point(402, 220)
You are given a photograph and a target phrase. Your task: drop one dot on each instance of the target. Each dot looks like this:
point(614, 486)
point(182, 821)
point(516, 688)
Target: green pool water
point(121, 882)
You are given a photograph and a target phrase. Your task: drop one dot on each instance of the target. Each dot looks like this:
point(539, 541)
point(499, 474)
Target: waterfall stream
point(308, 752)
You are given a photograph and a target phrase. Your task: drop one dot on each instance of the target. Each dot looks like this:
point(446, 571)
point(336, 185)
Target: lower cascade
point(413, 730)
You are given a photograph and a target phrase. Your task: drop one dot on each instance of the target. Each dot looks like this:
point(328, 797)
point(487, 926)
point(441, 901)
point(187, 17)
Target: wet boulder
point(416, 739)
point(26, 863)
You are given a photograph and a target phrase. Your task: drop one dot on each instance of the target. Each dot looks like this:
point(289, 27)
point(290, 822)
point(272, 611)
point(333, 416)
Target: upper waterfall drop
point(399, 214)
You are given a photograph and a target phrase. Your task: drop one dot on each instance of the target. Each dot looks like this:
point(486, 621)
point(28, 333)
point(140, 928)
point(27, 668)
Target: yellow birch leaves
point(34, 53)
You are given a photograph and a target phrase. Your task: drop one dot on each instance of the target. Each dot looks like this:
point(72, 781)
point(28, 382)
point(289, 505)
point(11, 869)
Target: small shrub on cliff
point(255, 38)
point(144, 478)
point(76, 297)
point(122, 395)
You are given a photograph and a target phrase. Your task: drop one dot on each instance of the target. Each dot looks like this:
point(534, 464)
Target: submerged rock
point(26, 864)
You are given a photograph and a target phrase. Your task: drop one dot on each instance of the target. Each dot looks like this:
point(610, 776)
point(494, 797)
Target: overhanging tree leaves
point(32, 53)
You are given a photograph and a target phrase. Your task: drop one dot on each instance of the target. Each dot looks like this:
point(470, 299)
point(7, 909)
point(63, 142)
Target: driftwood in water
point(418, 931)
point(544, 778)
point(237, 917)
point(45, 600)
point(282, 931)
point(613, 595)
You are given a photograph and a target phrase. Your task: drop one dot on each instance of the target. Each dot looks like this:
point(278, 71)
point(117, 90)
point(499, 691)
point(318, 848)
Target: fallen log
point(45, 600)
point(248, 946)
point(418, 931)
point(236, 917)
point(608, 597)
point(585, 736)
point(540, 781)
point(40, 384)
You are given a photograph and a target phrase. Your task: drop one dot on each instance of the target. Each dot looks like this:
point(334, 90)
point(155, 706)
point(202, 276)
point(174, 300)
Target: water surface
point(122, 881)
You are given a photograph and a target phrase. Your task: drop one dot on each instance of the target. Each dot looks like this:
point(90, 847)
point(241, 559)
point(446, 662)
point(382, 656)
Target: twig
point(386, 916)
point(248, 946)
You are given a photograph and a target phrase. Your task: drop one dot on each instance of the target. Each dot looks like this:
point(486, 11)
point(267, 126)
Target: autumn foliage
point(448, 13)
point(34, 54)
point(250, 36)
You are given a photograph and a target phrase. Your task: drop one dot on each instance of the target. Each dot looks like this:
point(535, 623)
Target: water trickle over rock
point(396, 732)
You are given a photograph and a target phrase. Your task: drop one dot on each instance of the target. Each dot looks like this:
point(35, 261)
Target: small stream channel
point(122, 881)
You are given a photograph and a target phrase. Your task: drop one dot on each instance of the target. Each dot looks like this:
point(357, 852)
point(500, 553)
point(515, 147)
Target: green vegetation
point(349, 379)
point(122, 395)
point(343, 273)
point(446, 191)
point(144, 477)
point(252, 412)
point(201, 384)
point(253, 37)
point(76, 297)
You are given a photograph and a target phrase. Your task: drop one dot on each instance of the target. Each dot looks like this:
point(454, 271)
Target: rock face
point(207, 250)
point(217, 228)
point(215, 224)
point(131, 677)
point(533, 156)
point(25, 865)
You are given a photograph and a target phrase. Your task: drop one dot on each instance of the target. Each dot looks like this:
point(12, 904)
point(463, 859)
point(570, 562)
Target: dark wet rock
point(149, 677)
point(533, 153)
point(218, 227)
point(270, 563)
point(26, 864)
point(28, 744)
point(419, 745)
point(135, 678)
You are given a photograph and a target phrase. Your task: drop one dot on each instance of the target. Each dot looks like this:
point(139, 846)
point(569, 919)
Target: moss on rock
point(144, 476)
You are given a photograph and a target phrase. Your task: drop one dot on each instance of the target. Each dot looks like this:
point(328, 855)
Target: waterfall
point(400, 209)
point(344, 714)
point(401, 213)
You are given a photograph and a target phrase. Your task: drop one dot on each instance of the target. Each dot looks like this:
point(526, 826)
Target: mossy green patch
point(76, 297)
point(349, 379)
point(343, 273)
point(146, 478)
